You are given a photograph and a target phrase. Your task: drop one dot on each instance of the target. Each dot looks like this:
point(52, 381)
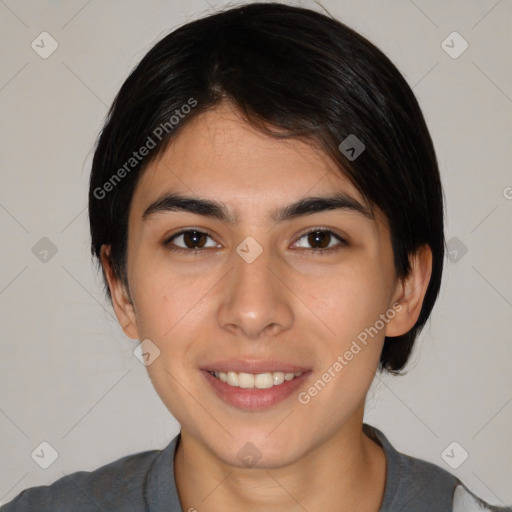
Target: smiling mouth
point(258, 381)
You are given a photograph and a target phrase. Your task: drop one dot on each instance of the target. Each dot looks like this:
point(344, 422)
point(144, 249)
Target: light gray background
point(68, 375)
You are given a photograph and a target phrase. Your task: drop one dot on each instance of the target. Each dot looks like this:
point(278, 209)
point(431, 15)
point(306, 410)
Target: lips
point(254, 385)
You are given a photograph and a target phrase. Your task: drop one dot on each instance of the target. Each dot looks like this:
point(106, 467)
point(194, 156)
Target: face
point(243, 289)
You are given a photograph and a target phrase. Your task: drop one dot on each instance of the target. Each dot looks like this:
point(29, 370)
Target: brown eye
point(190, 239)
point(320, 240)
point(194, 238)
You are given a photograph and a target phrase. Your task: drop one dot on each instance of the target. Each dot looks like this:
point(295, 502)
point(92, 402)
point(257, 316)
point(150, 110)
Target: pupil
point(316, 237)
point(191, 237)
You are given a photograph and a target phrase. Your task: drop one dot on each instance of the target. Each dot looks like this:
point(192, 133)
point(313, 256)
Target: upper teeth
point(249, 380)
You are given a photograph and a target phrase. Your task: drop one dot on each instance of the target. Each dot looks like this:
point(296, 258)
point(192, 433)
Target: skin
point(288, 305)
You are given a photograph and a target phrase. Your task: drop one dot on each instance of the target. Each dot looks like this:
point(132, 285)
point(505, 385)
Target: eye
point(322, 238)
point(192, 240)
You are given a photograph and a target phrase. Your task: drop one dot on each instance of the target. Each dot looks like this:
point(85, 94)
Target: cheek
point(169, 312)
point(168, 303)
point(360, 298)
point(350, 301)
point(350, 305)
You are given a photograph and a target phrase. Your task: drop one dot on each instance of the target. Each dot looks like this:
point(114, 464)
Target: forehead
point(218, 155)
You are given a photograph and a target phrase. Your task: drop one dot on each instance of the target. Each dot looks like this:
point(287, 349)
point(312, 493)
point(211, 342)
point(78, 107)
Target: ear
point(410, 292)
point(123, 306)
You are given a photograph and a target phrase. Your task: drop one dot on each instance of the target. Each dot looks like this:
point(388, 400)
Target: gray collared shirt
point(144, 482)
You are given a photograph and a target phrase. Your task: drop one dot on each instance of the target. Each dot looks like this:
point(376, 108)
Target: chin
point(257, 449)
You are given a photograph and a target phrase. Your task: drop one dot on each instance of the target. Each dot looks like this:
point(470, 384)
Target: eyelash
point(168, 245)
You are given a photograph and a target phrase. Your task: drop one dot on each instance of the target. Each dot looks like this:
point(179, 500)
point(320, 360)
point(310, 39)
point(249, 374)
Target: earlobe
point(410, 292)
point(121, 301)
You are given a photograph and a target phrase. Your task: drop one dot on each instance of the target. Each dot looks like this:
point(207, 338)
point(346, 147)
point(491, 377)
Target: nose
point(255, 302)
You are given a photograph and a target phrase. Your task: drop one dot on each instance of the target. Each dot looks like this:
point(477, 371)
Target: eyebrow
point(172, 202)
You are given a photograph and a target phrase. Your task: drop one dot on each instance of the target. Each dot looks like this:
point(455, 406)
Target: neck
point(345, 473)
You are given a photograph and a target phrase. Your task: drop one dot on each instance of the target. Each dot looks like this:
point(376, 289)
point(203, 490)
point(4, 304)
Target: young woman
point(267, 209)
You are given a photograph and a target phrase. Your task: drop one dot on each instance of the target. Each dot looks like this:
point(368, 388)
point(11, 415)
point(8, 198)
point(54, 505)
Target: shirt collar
point(162, 494)
point(161, 491)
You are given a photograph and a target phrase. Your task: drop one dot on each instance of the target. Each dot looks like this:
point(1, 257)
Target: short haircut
point(291, 72)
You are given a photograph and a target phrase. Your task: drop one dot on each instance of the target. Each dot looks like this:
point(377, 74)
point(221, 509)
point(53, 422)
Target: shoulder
point(413, 483)
point(118, 485)
point(465, 501)
point(416, 484)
